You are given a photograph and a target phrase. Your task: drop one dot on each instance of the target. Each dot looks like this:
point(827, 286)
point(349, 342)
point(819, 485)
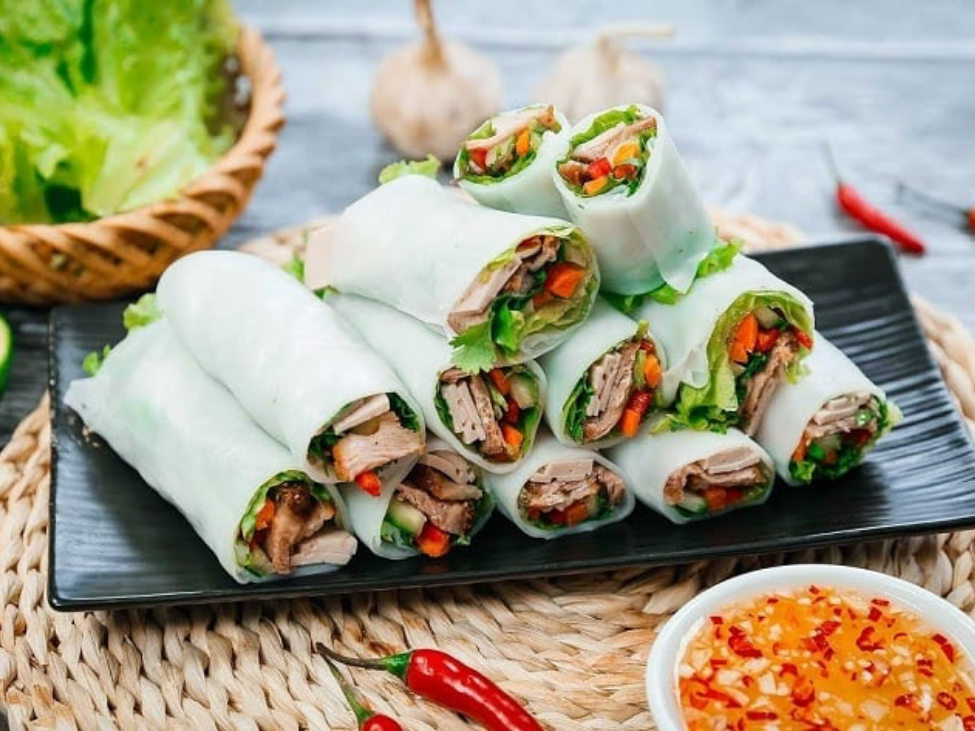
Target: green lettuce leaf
point(429, 167)
point(605, 121)
point(714, 405)
point(140, 313)
point(101, 111)
point(94, 360)
point(407, 416)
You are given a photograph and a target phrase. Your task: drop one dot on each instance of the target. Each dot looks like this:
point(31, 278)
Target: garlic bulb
point(603, 74)
point(428, 96)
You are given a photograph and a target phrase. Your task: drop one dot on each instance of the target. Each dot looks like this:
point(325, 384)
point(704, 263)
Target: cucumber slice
point(767, 317)
point(405, 517)
point(6, 352)
point(523, 389)
point(693, 503)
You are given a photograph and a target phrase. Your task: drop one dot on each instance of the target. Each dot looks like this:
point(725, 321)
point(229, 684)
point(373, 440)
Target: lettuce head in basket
point(109, 105)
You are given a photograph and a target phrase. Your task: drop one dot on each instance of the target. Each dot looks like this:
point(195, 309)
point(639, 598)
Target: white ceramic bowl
point(669, 646)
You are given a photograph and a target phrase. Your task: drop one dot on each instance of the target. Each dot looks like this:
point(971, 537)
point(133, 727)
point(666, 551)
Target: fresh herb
point(295, 267)
point(474, 348)
point(320, 446)
point(406, 415)
point(756, 364)
point(717, 260)
point(109, 106)
point(142, 312)
point(94, 361)
point(427, 168)
point(443, 410)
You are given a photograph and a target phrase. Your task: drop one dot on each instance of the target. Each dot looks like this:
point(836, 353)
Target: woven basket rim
point(266, 93)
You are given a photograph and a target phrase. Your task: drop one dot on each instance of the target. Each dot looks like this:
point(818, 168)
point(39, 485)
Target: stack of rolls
point(571, 333)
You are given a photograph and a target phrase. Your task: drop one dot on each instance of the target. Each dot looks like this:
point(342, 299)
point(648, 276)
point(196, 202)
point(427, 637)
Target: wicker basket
point(46, 264)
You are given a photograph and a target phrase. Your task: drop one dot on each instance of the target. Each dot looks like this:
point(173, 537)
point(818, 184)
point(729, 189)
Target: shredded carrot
point(596, 185)
point(512, 437)
point(800, 453)
point(651, 371)
point(576, 513)
point(432, 541)
point(625, 152)
point(747, 333)
point(738, 352)
point(265, 515)
point(630, 423)
point(524, 143)
point(500, 381)
point(369, 482)
point(563, 278)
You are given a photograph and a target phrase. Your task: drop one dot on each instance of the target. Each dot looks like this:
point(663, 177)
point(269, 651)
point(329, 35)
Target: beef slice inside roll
point(839, 434)
point(505, 144)
point(718, 482)
point(496, 412)
point(367, 435)
point(612, 154)
point(289, 524)
point(616, 393)
point(439, 505)
point(569, 492)
point(540, 283)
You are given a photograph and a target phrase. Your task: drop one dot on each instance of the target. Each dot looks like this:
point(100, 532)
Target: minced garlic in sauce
point(821, 659)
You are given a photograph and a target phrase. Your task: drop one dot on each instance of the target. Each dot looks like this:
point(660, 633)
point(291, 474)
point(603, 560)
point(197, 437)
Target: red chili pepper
point(858, 207)
point(367, 719)
point(967, 215)
point(449, 683)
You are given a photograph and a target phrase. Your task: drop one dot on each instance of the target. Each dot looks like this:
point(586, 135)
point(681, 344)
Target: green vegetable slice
point(6, 352)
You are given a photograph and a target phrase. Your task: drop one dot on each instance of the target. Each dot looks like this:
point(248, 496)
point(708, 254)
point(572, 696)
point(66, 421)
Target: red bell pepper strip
point(438, 677)
point(871, 217)
point(366, 718)
point(369, 482)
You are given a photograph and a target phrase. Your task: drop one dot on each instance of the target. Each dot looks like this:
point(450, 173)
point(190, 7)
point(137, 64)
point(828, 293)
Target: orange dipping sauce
point(821, 659)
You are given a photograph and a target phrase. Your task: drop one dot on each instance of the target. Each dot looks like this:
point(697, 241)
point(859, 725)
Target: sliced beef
point(733, 468)
point(493, 443)
point(557, 494)
point(463, 412)
point(761, 386)
point(441, 487)
point(361, 412)
point(612, 391)
point(357, 453)
point(454, 517)
point(604, 143)
point(515, 276)
point(839, 415)
point(298, 515)
point(450, 464)
point(614, 485)
point(335, 547)
point(507, 125)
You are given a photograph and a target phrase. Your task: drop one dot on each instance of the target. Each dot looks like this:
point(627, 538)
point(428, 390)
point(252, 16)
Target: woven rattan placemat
point(573, 648)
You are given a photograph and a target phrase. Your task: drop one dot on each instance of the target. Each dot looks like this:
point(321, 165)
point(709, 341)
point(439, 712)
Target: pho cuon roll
point(506, 287)
point(506, 163)
point(559, 490)
point(440, 504)
point(690, 475)
point(624, 184)
point(825, 424)
point(603, 381)
point(491, 418)
point(243, 493)
point(731, 342)
point(301, 371)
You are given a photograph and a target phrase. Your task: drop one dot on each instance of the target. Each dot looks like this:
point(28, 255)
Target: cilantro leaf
point(475, 349)
point(428, 167)
point(296, 268)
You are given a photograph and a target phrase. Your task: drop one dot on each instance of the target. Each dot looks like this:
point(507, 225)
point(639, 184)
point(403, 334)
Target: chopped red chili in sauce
point(820, 659)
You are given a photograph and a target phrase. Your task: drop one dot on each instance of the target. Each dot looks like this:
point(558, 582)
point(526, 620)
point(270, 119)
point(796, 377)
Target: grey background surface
point(753, 88)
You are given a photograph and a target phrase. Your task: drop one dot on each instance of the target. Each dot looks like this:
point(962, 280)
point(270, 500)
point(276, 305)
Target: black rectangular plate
point(116, 543)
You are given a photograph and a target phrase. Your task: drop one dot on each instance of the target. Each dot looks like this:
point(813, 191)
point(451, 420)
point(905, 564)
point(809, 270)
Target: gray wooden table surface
point(753, 90)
